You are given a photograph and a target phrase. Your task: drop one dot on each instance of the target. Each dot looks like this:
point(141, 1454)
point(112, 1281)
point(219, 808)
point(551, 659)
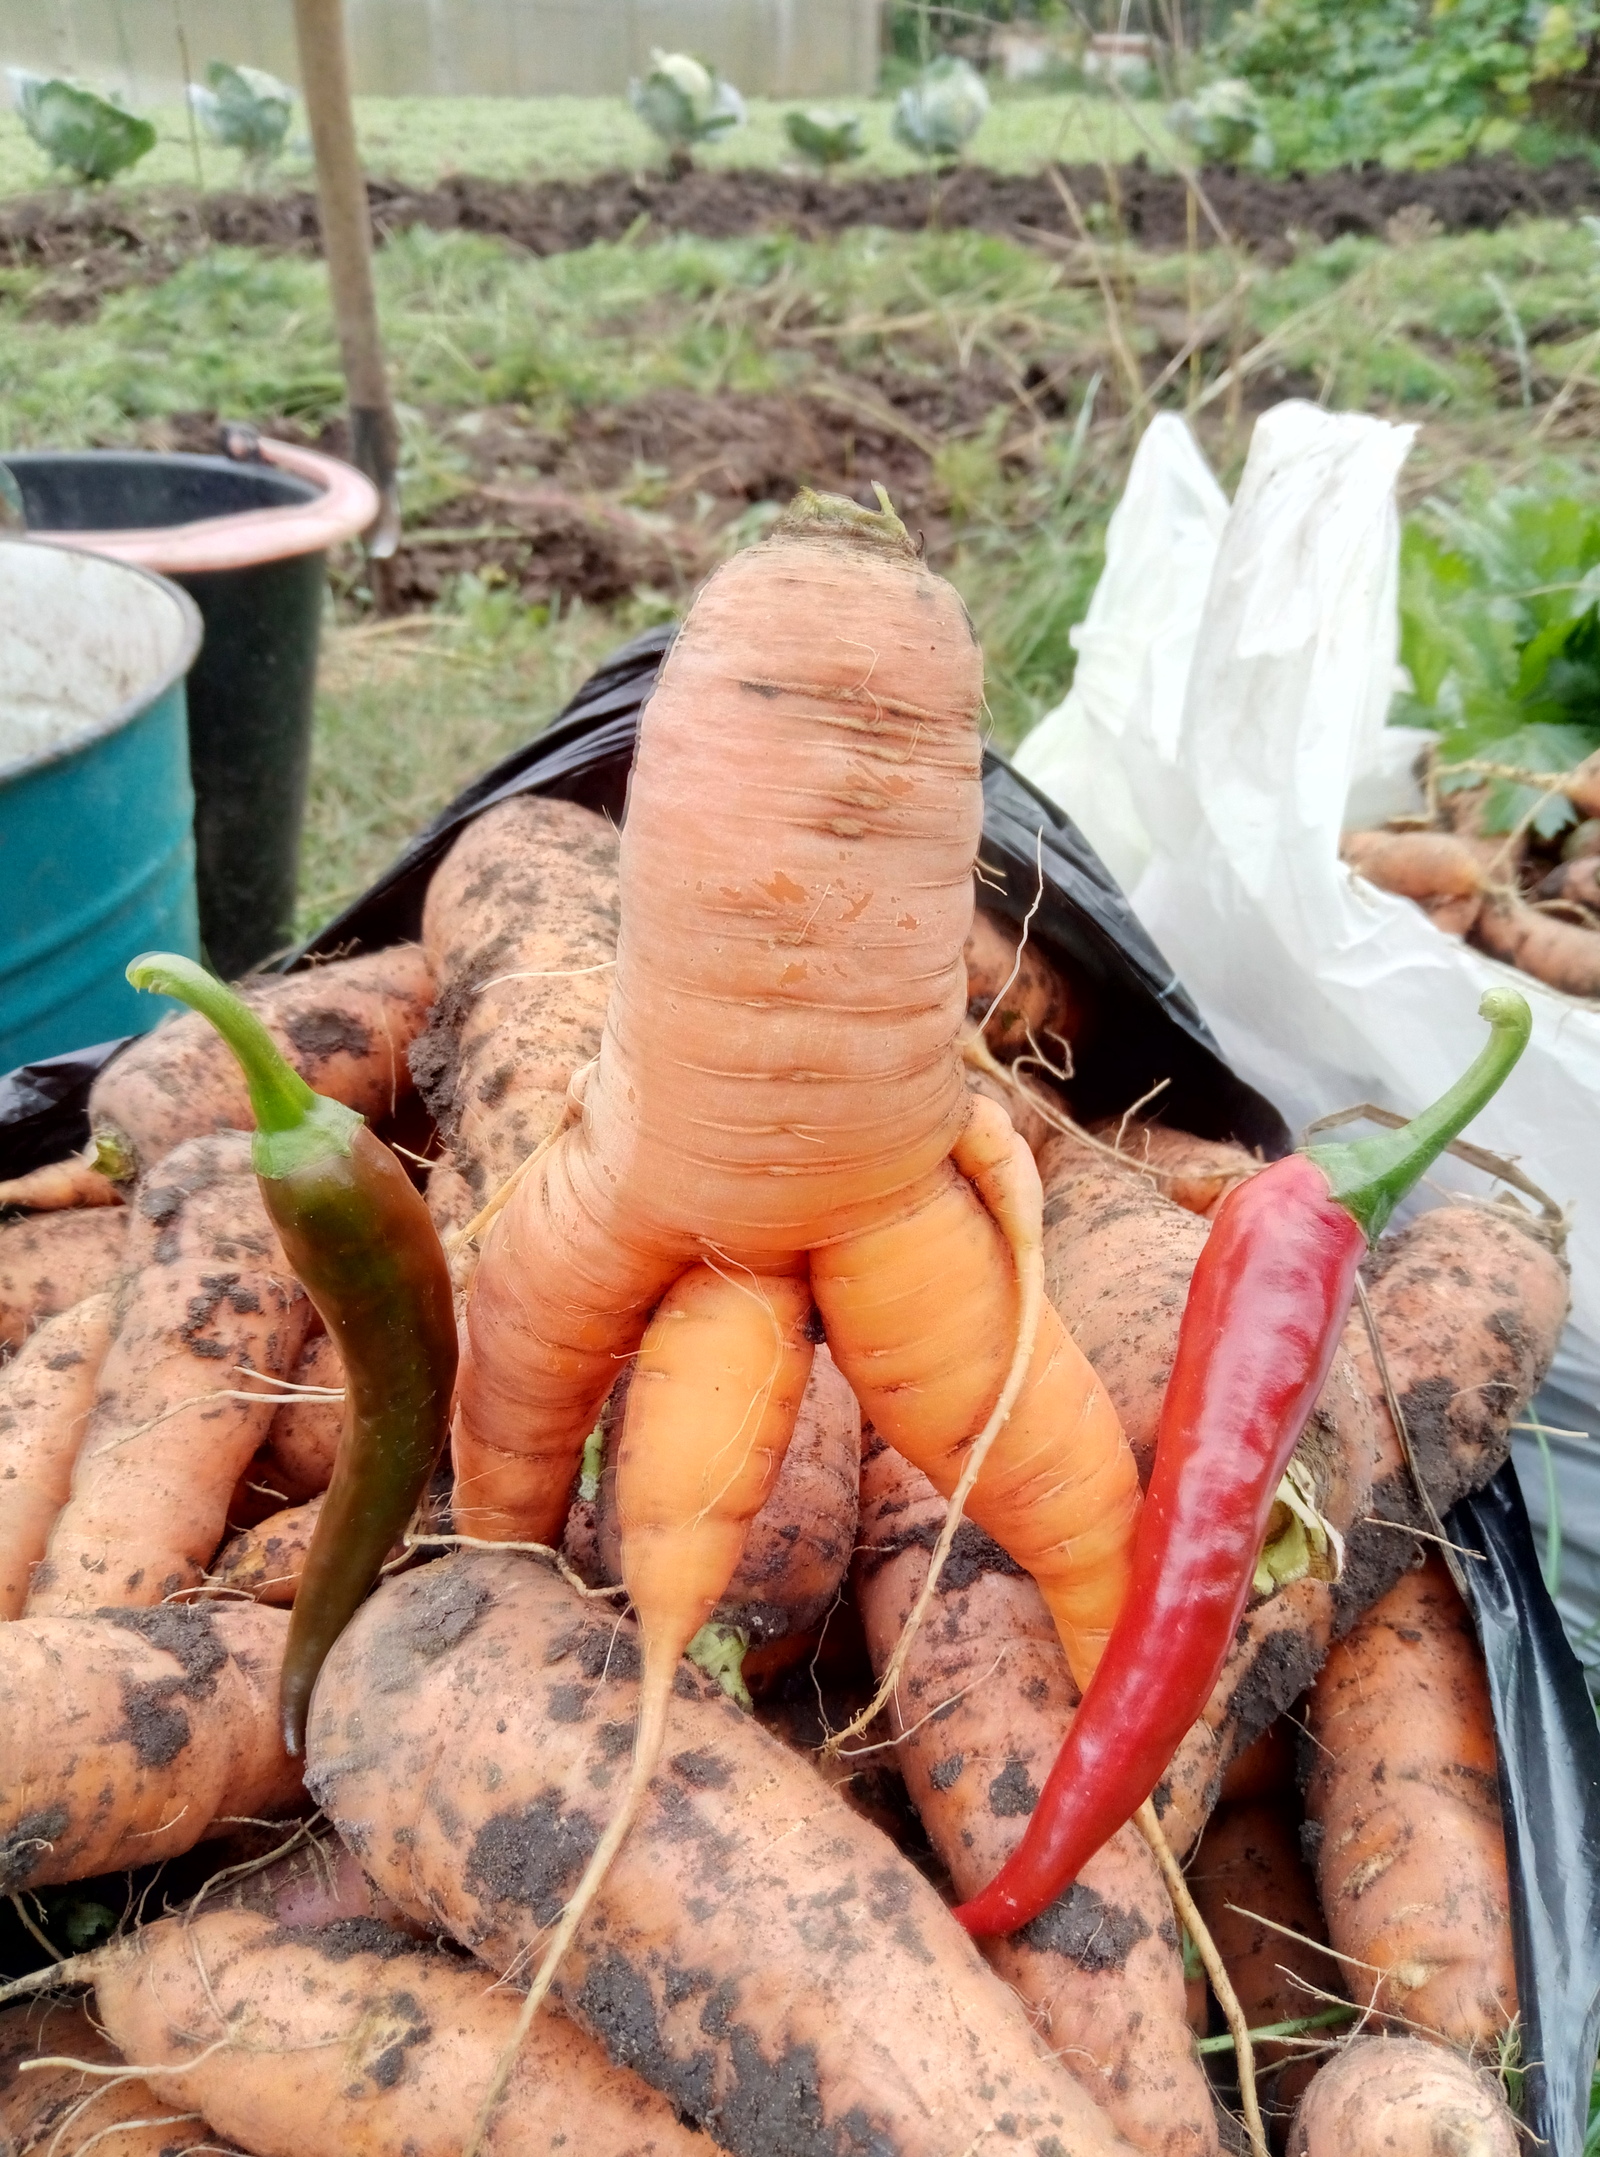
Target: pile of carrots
point(1532, 901)
point(813, 1359)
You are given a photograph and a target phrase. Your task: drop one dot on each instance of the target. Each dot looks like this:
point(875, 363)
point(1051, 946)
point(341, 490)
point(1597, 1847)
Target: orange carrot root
point(46, 1393)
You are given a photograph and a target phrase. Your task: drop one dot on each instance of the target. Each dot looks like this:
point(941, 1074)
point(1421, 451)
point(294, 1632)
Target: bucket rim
point(346, 504)
point(191, 632)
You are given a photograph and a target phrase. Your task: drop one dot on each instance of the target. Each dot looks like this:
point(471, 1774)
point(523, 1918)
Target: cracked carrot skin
point(778, 1085)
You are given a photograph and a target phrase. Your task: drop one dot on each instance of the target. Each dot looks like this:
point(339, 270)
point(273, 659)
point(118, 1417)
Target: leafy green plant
point(939, 113)
point(685, 101)
point(1500, 634)
point(91, 137)
point(244, 109)
point(1225, 124)
point(1410, 82)
point(825, 139)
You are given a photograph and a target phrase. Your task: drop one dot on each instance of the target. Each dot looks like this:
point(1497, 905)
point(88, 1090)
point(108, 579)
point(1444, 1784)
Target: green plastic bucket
point(96, 809)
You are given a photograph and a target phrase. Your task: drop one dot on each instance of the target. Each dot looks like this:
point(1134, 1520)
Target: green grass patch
point(422, 139)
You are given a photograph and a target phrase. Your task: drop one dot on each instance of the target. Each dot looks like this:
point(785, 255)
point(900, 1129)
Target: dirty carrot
point(1267, 1304)
point(46, 1393)
point(360, 1239)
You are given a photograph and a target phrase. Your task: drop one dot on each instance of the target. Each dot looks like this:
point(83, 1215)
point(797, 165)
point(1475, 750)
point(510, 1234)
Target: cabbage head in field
point(1225, 125)
point(685, 101)
point(825, 138)
point(244, 109)
point(938, 114)
point(92, 138)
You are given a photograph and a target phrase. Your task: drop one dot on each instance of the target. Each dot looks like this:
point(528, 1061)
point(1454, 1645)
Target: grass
point(1034, 354)
point(421, 139)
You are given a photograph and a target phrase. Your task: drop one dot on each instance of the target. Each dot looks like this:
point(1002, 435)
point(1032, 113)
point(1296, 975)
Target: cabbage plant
point(91, 137)
point(825, 138)
point(938, 114)
point(1225, 125)
point(684, 101)
point(244, 109)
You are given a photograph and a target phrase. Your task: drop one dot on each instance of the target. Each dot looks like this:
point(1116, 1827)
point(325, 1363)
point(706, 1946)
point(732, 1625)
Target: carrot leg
point(921, 1313)
point(548, 1328)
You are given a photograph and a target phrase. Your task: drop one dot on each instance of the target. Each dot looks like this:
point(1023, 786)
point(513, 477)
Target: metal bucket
point(96, 809)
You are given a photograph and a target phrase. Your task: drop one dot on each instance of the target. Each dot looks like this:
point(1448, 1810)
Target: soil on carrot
point(101, 246)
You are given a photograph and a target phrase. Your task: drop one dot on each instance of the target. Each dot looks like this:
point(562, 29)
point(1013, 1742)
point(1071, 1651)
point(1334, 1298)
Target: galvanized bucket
point(96, 808)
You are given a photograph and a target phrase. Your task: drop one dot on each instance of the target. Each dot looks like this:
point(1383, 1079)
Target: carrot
point(318, 2042)
point(49, 1263)
point(1398, 2097)
point(1438, 869)
point(75, 1182)
point(1469, 1302)
point(980, 1712)
point(798, 1548)
point(51, 2105)
point(1018, 1100)
point(317, 1881)
point(1247, 1868)
point(1558, 953)
point(345, 1027)
point(1577, 881)
point(265, 1561)
point(520, 928)
point(46, 1393)
point(208, 1310)
point(1195, 1173)
point(778, 1088)
point(1403, 1804)
point(133, 1735)
point(467, 1739)
point(303, 1437)
point(1583, 787)
point(1023, 1003)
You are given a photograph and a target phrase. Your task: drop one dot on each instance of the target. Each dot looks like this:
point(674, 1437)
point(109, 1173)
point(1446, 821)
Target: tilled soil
point(96, 247)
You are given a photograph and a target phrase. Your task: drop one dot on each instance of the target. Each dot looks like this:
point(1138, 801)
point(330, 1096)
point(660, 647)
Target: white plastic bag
point(1136, 640)
point(1322, 990)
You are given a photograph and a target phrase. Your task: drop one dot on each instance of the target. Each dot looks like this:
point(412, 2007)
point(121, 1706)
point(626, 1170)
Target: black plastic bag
point(1037, 865)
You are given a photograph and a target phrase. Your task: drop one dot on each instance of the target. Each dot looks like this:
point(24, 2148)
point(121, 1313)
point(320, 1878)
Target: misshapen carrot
point(46, 1393)
point(778, 1094)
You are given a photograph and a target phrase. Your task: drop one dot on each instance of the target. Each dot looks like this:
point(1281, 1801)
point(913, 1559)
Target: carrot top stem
point(295, 1127)
point(1369, 1177)
point(834, 516)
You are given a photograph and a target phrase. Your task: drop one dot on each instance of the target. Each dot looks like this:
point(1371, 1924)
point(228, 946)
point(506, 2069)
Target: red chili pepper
point(1267, 1303)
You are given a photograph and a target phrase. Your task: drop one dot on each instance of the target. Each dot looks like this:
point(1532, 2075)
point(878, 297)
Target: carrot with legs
point(778, 1087)
point(46, 1393)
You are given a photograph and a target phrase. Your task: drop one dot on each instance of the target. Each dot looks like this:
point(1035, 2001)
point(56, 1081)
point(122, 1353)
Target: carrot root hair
point(1001, 1169)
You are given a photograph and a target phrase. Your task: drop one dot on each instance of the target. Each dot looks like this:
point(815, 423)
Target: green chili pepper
point(365, 1249)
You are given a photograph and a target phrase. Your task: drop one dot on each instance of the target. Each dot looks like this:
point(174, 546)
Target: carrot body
point(1024, 1003)
point(981, 1707)
point(1442, 872)
point(351, 2037)
point(46, 1393)
point(1558, 953)
point(345, 1027)
point(475, 1803)
point(1398, 2097)
point(1404, 1797)
point(74, 1182)
point(1248, 1868)
point(53, 1260)
point(520, 927)
point(1195, 1173)
point(303, 1438)
point(129, 1736)
point(266, 1561)
point(60, 2111)
point(207, 1304)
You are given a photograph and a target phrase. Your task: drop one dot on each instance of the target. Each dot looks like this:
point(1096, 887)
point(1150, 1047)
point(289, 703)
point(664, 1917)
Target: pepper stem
point(294, 1124)
point(1370, 1177)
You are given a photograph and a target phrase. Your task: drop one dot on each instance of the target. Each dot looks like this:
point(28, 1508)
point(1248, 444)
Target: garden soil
point(99, 246)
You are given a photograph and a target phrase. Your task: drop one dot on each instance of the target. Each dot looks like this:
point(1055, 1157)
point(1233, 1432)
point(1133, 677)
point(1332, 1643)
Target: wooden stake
point(347, 243)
